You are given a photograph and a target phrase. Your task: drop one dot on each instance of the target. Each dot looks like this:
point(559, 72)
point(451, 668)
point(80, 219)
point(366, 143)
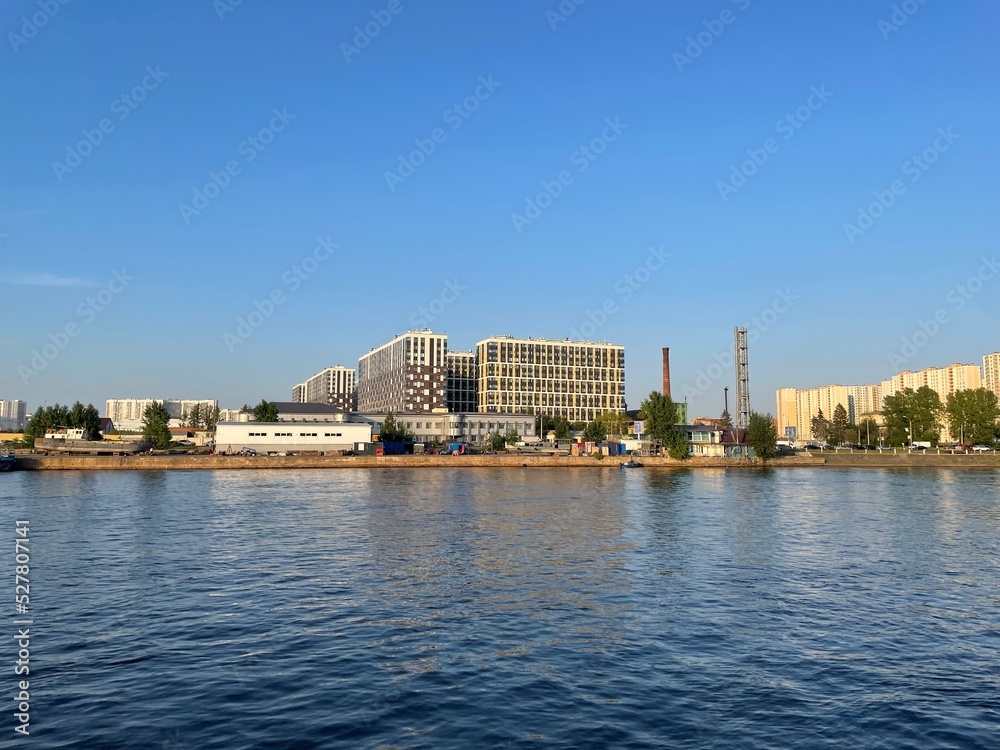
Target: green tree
point(868, 432)
point(820, 427)
point(211, 417)
point(678, 447)
point(156, 424)
point(912, 416)
point(726, 421)
point(395, 432)
point(561, 428)
point(595, 432)
point(762, 435)
point(615, 423)
point(972, 416)
point(660, 415)
point(497, 442)
point(86, 418)
point(265, 411)
point(837, 432)
point(195, 418)
point(512, 437)
point(44, 418)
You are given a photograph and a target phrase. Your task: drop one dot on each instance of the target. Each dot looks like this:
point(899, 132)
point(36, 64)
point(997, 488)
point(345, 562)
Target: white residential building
point(126, 413)
point(334, 386)
point(991, 372)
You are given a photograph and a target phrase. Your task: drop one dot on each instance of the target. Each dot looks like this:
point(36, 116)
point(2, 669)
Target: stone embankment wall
point(184, 462)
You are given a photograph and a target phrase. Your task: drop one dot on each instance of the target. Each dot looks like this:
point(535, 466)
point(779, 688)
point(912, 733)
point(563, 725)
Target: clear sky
point(654, 125)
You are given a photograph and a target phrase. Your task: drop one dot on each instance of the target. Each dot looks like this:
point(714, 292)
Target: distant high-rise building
point(13, 415)
point(334, 386)
point(127, 413)
point(462, 380)
point(234, 415)
point(299, 394)
point(798, 407)
point(991, 372)
point(578, 380)
point(943, 380)
point(407, 374)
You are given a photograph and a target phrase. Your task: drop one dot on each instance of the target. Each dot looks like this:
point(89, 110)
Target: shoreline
point(31, 462)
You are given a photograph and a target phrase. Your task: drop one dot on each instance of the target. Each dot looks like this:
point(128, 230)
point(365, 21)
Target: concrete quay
point(32, 462)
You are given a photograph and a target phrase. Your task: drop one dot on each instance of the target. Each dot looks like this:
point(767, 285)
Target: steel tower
point(742, 380)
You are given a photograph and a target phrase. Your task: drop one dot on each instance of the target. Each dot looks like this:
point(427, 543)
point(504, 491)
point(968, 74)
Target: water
point(807, 608)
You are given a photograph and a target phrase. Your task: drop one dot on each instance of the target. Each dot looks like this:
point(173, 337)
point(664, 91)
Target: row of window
point(301, 434)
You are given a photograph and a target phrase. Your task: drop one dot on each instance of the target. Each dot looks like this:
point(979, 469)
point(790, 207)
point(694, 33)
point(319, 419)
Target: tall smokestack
point(666, 371)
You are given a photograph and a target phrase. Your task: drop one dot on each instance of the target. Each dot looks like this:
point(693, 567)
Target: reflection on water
point(508, 608)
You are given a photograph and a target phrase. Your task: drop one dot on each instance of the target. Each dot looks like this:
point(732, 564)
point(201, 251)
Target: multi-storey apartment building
point(943, 380)
point(13, 415)
point(234, 415)
point(299, 394)
point(797, 408)
point(126, 413)
point(991, 372)
point(408, 374)
point(575, 379)
point(462, 379)
point(334, 386)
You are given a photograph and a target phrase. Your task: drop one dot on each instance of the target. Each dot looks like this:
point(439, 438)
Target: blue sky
point(696, 90)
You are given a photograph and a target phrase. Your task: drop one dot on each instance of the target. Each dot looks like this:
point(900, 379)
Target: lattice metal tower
point(742, 380)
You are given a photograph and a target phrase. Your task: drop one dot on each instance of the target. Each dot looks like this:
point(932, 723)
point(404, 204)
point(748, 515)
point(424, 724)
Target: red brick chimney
point(666, 371)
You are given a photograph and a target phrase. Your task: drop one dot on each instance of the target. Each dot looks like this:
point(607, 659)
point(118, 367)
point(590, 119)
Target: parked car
point(918, 447)
point(811, 447)
point(981, 448)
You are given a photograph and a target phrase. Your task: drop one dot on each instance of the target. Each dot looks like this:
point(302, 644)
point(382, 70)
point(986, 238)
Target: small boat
point(7, 461)
point(632, 464)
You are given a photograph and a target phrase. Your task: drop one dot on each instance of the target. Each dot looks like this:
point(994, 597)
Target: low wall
point(880, 459)
point(185, 462)
point(33, 462)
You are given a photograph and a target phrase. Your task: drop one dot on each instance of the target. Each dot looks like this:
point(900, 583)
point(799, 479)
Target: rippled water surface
point(808, 608)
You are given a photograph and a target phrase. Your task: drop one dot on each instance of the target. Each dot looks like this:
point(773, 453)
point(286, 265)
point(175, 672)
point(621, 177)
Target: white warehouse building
point(290, 437)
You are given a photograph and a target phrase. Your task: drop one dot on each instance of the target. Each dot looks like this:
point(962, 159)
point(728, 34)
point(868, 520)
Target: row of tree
point(200, 417)
point(661, 417)
point(917, 416)
point(76, 416)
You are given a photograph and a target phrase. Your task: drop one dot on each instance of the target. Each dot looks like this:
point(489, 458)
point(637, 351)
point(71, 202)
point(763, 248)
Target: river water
point(509, 608)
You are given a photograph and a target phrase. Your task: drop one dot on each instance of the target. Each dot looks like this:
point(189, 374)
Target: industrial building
point(579, 380)
point(473, 428)
point(407, 374)
point(291, 437)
